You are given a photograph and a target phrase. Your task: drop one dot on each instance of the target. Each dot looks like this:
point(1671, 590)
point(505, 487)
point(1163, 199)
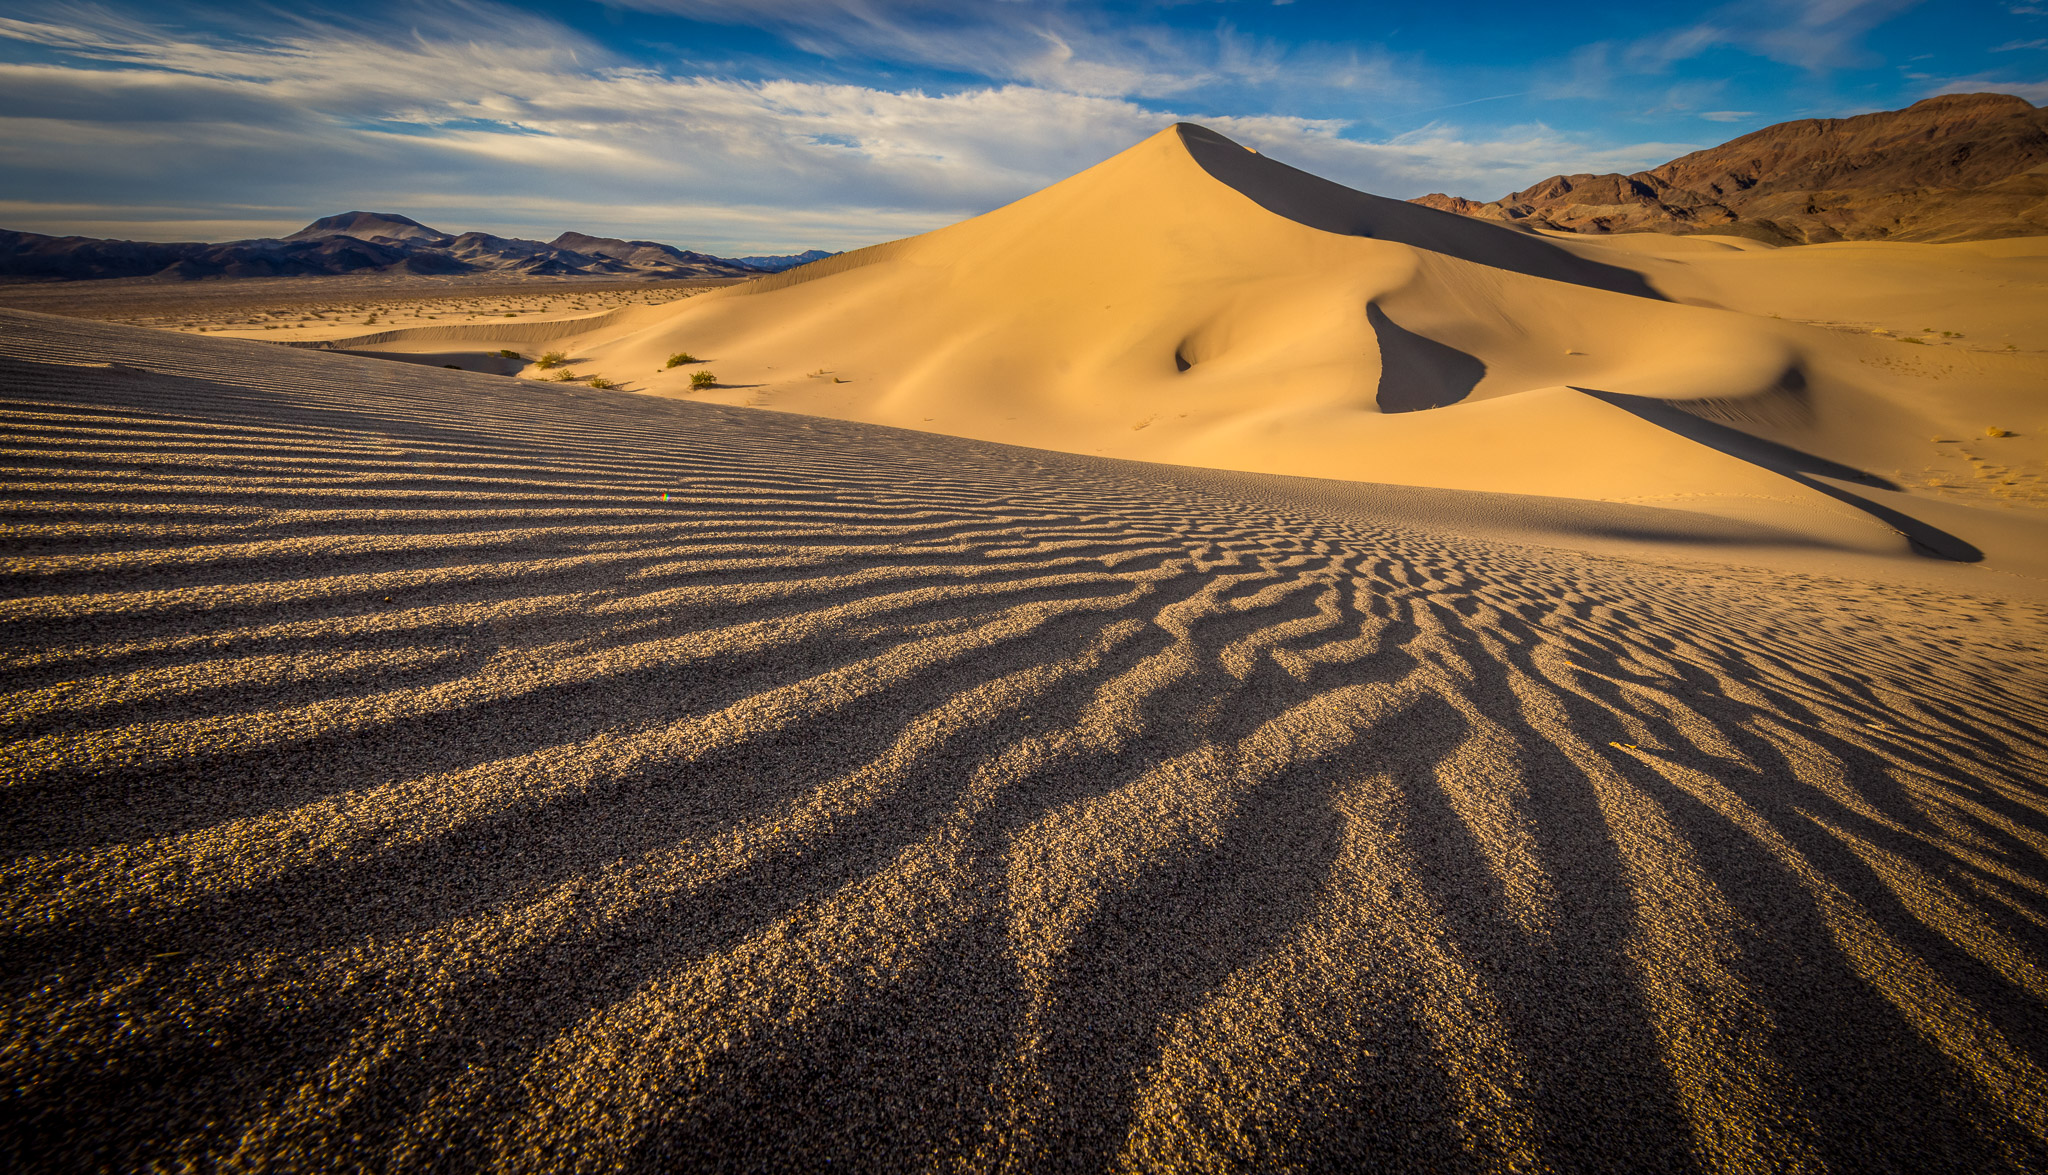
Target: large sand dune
point(411, 769)
point(1190, 301)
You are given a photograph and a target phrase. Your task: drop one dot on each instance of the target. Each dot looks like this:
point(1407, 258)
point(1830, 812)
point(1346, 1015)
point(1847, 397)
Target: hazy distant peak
point(780, 262)
point(365, 225)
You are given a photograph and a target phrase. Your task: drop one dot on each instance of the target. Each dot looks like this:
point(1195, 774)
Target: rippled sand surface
point(410, 769)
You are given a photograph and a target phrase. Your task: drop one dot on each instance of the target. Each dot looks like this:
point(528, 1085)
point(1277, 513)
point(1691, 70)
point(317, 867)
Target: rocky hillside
point(1956, 168)
point(366, 243)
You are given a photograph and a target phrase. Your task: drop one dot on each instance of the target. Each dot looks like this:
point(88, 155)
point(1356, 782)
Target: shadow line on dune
point(1795, 465)
point(1333, 208)
point(1416, 371)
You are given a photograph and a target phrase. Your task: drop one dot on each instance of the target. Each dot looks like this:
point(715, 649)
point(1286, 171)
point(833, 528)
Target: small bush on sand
point(703, 379)
point(601, 383)
point(551, 359)
point(1995, 431)
point(510, 355)
point(680, 358)
point(567, 377)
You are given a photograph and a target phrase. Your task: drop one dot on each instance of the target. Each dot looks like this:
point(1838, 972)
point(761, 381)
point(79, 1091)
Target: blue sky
point(742, 126)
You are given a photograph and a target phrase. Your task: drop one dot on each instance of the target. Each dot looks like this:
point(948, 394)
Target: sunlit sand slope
point(1191, 301)
point(411, 769)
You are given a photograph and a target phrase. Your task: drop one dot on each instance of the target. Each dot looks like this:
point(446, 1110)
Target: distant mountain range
point(1962, 167)
point(371, 243)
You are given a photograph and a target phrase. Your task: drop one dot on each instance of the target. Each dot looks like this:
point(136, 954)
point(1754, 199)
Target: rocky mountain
point(1960, 167)
point(367, 243)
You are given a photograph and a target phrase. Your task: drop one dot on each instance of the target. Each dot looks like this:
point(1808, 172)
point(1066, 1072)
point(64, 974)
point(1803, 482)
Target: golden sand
point(1191, 302)
point(413, 769)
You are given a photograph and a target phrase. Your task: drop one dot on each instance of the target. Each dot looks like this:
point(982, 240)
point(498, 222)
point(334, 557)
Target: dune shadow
point(1798, 465)
point(1322, 204)
point(484, 362)
point(1417, 372)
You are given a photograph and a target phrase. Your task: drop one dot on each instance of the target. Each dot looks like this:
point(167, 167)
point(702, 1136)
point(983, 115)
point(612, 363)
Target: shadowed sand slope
point(410, 769)
point(1193, 302)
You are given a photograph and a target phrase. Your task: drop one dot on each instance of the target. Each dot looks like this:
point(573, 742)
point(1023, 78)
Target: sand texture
point(423, 770)
point(1193, 302)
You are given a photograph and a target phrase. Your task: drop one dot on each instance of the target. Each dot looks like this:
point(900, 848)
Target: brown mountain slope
point(1960, 167)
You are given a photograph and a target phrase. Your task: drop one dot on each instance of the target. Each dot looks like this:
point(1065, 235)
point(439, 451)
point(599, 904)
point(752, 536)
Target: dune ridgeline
point(1193, 302)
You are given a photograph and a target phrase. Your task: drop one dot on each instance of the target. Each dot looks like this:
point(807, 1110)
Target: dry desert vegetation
point(1202, 670)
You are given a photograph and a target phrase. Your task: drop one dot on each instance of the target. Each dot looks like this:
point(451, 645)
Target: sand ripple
point(422, 770)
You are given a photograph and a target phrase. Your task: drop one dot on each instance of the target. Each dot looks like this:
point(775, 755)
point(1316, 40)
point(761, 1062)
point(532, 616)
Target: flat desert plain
point(331, 307)
point(1205, 670)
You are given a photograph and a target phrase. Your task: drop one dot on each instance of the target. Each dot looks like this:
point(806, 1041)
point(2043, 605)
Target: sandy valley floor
point(415, 768)
point(334, 307)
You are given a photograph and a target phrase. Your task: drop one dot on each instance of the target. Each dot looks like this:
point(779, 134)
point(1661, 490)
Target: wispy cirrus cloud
point(1079, 48)
point(1811, 34)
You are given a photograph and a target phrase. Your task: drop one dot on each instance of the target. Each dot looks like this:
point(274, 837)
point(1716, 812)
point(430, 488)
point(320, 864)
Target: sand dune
point(421, 769)
point(1190, 301)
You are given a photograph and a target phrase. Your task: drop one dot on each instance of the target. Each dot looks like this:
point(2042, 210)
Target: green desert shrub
point(510, 355)
point(680, 358)
point(601, 383)
point(567, 377)
point(702, 379)
point(551, 359)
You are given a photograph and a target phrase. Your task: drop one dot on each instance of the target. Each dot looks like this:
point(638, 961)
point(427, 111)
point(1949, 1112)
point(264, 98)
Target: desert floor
point(334, 307)
point(409, 768)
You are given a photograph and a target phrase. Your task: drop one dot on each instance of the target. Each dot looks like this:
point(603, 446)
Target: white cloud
point(2016, 46)
point(534, 130)
point(1727, 115)
point(2035, 91)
